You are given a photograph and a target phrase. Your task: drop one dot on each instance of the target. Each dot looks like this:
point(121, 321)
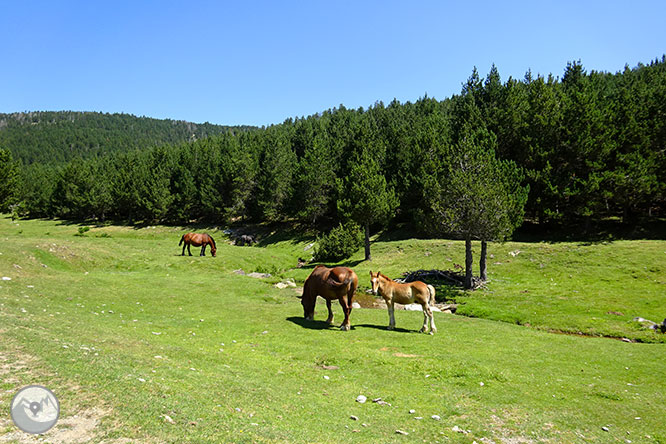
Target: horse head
point(374, 280)
point(308, 303)
point(213, 247)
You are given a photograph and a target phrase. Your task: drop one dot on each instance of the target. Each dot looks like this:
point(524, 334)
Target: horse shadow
point(384, 328)
point(311, 325)
point(322, 325)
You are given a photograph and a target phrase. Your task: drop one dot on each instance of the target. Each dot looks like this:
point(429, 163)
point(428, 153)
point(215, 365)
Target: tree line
point(569, 151)
point(60, 136)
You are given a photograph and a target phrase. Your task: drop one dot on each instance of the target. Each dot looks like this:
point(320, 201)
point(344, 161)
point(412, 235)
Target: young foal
point(408, 293)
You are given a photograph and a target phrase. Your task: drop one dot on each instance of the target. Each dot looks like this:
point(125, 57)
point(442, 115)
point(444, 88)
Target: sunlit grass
point(127, 320)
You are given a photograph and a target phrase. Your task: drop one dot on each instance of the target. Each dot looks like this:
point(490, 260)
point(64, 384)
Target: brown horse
point(407, 293)
point(198, 240)
point(330, 283)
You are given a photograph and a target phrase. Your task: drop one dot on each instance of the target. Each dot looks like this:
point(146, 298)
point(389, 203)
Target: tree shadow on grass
point(349, 264)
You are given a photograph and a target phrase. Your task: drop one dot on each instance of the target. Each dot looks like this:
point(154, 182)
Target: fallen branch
point(450, 276)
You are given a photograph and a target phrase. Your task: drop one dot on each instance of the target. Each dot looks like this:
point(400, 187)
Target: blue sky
point(260, 62)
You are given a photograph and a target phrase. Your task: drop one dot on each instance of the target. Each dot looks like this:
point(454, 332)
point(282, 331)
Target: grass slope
point(117, 318)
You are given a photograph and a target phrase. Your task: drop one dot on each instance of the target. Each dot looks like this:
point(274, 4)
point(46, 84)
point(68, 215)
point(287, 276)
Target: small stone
point(436, 417)
point(5, 278)
point(412, 411)
point(361, 399)
point(354, 418)
point(168, 419)
point(141, 380)
point(237, 409)
point(201, 320)
point(604, 428)
point(481, 384)
point(157, 357)
point(418, 417)
point(364, 425)
point(401, 432)
point(356, 305)
point(457, 429)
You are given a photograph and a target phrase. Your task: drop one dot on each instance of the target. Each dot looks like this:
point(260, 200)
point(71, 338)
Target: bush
point(340, 243)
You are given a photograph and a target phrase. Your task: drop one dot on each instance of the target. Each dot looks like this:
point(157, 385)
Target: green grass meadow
point(116, 320)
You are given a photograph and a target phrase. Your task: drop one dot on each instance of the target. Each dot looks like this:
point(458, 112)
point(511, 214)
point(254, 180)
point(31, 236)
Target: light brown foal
point(407, 293)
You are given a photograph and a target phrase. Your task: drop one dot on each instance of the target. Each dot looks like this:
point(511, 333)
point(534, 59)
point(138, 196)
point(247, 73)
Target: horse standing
point(198, 240)
point(330, 283)
point(407, 293)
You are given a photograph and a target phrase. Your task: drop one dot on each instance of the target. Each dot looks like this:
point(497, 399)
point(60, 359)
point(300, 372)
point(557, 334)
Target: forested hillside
point(588, 145)
point(52, 137)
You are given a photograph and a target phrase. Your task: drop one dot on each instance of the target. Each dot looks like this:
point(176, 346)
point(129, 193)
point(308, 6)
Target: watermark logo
point(35, 409)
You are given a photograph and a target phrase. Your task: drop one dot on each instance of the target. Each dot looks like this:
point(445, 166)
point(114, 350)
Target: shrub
point(82, 231)
point(340, 243)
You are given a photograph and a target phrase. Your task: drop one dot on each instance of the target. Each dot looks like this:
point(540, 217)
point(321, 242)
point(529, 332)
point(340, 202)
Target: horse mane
point(385, 277)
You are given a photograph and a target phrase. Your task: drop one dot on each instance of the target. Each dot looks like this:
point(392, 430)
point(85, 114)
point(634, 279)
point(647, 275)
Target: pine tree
point(476, 196)
point(9, 180)
point(364, 195)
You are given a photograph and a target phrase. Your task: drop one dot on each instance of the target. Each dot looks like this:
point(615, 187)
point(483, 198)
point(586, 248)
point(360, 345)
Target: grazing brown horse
point(330, 283)
point(198, 240)
point(407, 293)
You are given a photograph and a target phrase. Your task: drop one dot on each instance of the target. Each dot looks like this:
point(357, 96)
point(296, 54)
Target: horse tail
point(431, 290)
point(337, 284)
point(212, 240)
point(182, 239)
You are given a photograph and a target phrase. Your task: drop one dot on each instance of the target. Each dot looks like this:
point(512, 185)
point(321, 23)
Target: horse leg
point(183, 253)
point(188, 250)
point(433, 329)
point(329, 321)
point(391, 314)
point(203, 250)
point(346, 308)
point(426, 317)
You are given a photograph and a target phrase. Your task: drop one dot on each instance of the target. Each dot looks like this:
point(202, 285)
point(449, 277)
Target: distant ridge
point(59, 136)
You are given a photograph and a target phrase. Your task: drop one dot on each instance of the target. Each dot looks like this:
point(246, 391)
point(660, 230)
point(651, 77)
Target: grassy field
point(148, 346)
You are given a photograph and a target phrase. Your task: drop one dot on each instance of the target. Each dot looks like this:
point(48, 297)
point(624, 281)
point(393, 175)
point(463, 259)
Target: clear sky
point(260, 62)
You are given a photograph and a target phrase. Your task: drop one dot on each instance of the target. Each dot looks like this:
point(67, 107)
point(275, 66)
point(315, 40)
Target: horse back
point(407, 293)
point(331, 283)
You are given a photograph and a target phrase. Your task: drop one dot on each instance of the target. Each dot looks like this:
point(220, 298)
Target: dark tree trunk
point(367, 242)
point(483, 269)
point(469, 262)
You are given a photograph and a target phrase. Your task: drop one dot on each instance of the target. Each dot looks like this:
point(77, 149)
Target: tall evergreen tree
point(364, 195)
point(9, 180)
point(476, 196)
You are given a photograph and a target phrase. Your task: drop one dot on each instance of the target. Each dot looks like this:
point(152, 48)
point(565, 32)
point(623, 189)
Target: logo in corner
point(35, 409)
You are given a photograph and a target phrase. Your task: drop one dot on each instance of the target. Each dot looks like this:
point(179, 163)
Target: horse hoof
point(390, 327)
point(344, 327)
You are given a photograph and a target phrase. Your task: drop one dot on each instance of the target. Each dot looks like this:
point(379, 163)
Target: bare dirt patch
point(18, 369)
